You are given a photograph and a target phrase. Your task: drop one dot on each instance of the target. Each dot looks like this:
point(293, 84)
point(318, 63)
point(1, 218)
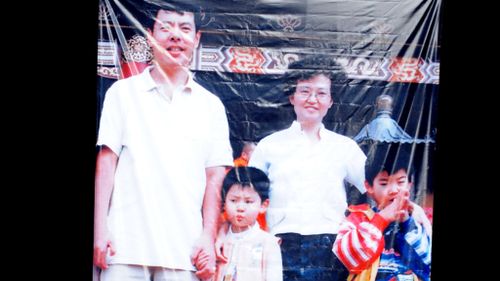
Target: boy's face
point(174, 38)
point(386, 187)
point(242, 206)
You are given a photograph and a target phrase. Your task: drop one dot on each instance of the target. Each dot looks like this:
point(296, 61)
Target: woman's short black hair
point(146, 11)
point(313, 65)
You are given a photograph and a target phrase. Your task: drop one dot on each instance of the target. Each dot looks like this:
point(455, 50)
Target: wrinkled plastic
point(387, 48)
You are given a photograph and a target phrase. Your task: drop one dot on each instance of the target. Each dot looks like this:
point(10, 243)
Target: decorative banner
point(107, 53)
point(275, 61)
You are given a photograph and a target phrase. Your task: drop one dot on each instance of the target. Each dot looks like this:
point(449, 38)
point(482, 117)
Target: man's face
point(312, 99)
point(174, 38)
point(386, 187)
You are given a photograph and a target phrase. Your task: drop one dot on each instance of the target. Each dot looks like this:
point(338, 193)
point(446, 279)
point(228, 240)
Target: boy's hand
point(219, 243)
point(397, 210)
point(405, 205)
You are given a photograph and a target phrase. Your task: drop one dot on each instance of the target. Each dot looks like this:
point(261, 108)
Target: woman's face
point(312, 99)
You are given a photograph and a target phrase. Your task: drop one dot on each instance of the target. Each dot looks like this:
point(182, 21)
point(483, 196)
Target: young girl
point(251, 253)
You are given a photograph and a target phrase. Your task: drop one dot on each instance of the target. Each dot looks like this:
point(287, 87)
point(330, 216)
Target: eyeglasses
point(306, 93)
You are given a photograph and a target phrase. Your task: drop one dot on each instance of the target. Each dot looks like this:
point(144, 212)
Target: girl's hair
point(247, 177)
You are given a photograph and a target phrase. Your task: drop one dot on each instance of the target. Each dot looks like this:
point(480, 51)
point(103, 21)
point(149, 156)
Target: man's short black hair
point(313, 65)
point(146, 11)
point(247, 177)
point(389, 157)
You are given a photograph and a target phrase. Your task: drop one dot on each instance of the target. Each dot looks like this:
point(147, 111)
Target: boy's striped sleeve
point(360, 240)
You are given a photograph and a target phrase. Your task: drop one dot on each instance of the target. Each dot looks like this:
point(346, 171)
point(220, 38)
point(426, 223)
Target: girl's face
point(242, 206)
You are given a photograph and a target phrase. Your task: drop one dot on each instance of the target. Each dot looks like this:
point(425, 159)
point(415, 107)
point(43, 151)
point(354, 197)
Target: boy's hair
point(314, 65)
point(247, 177)
point(147, 11)
point(389, 157)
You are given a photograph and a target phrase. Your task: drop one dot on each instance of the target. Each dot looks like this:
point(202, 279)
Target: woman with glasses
point(308, 165)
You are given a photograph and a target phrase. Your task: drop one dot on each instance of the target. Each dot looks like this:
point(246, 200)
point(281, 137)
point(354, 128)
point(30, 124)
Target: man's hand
point(419, 216)
point(100, 252)
point(203, 257)
point(104, 183)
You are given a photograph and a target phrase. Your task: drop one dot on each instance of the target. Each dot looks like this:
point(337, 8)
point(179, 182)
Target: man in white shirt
point(164, 145)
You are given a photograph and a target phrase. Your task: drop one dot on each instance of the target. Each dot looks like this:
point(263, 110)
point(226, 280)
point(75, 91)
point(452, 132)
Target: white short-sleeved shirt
point(164, 147)
point(307, 193)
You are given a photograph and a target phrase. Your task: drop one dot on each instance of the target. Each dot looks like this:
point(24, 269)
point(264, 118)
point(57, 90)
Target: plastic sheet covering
point(389, 51)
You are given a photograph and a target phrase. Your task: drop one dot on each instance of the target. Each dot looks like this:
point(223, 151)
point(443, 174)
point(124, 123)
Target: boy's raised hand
point(397, 210)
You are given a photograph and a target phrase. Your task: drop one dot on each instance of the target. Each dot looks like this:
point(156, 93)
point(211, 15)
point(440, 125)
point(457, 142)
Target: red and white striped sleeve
point(360, 240)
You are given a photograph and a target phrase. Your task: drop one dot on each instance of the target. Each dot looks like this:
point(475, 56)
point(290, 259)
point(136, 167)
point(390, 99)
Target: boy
point(252, 254)
point(389, 241)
